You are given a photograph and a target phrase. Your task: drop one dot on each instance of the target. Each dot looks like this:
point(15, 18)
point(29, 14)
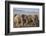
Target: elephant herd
point(26, 20)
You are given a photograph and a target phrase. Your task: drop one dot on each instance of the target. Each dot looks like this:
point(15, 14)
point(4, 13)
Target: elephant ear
point(14, 20)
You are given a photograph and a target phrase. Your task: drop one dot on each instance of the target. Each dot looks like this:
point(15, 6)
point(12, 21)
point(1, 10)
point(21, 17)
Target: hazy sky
point(25, 11)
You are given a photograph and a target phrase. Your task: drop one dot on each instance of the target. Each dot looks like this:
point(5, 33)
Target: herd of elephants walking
point(26, 20)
